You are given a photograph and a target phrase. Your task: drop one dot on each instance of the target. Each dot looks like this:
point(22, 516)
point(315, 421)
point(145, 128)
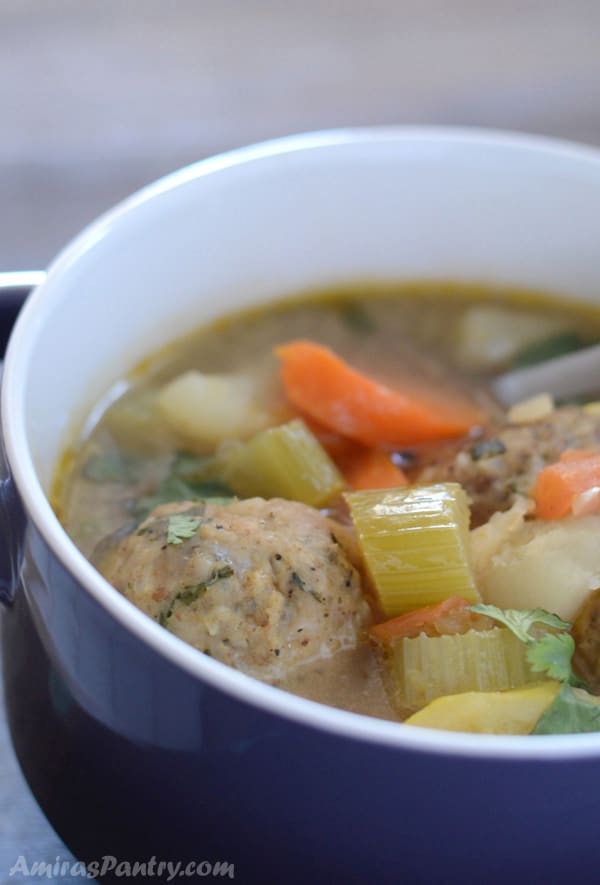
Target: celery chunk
point(283, 462)
point(415, 543)
point(426, 667)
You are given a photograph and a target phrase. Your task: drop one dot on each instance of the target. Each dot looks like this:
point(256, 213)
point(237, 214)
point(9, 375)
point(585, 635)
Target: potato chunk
point(551, 565)
point(206, 409)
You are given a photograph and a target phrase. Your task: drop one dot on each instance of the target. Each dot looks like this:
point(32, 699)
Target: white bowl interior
point(263, 223)
point(215, 239)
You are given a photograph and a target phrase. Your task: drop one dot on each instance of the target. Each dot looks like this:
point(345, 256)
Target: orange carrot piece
point(424, 620)
point(372, 469)
point(337, 446)
point(362, 467)
point(559, 485)
point(333, 393)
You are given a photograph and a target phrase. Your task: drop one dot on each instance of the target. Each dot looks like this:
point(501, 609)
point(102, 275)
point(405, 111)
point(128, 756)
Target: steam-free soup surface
point(147, 496)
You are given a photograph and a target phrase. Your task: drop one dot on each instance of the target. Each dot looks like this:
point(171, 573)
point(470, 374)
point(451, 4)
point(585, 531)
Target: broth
point(410, 332)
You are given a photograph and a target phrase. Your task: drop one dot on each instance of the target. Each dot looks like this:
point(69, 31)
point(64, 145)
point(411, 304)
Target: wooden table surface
point(102, 96)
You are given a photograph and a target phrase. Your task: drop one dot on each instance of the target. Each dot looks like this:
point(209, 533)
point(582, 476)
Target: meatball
point(263, 586)
point(495, 470)
point(586, 633)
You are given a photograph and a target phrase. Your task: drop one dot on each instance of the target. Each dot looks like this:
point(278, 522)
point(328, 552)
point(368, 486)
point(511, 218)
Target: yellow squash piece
point(516, 711)
point(415, 542)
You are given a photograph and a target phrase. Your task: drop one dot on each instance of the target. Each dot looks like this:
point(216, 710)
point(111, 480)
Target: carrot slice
point(362, 467)
point(451, 615)
point(339, 447)
point(333, 393)
point(372, 469)
point(559, 486)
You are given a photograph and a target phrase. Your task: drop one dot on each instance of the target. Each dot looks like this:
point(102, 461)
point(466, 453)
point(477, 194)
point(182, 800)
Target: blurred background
point(98, 97)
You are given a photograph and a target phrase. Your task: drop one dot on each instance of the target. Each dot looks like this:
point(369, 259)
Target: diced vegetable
point(489, 337)
point(339, 447)
point(586, 635)
point(204, 410)
point(570, 486)
point(551, 564)
point(137, 425)
point(283, 462)
point(372, 469)
point(499, 712)
point(532, 409)
point(329, 390)
point(426, 667)
point(415, 543)
point(453, 615)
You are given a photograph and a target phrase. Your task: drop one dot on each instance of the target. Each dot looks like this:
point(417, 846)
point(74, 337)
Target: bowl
point(136, 745)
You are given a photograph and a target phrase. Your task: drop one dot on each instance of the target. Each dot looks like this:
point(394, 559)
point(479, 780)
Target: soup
point(327, 495)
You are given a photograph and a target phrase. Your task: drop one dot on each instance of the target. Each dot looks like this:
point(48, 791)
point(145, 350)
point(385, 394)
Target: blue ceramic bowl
point(138, 746)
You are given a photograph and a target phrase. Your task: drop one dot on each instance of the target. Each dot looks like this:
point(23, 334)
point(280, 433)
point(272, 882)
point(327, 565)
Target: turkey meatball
point(263, 586)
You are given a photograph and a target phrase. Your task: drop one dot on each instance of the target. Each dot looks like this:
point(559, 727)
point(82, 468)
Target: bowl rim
point(219, 676)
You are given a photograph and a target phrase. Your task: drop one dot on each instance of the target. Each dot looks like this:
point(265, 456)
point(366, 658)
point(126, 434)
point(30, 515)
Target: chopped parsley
point(520, 621)
point(180, 527)
point(552, 655)
point(175, 489)
point(300, 583)
point(191, 592)
point(572, 711)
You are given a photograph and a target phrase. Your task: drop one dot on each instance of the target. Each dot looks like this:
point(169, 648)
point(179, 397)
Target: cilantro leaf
point(552, 655)
point(192, 592)
point(174, 489)
point(520, 621)
point(571, 712)
point(181, 527)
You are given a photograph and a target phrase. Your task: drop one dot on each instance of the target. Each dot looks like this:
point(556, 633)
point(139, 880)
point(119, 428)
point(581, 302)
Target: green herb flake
point(357, 318)
point(520, 621)
point(571, 712)
point(175, 489)
point(552, 655)
point(191, 592)
point(298, 582)
point(180, 527)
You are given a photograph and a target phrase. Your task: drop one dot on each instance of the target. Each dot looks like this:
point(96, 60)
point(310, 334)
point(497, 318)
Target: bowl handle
point(14, 289)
